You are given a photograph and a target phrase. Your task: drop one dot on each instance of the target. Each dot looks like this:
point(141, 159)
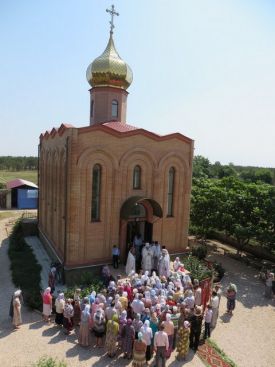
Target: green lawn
point(8, 214)
point(6, 176)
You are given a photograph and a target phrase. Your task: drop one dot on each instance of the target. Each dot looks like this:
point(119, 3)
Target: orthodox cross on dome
point(112, 12)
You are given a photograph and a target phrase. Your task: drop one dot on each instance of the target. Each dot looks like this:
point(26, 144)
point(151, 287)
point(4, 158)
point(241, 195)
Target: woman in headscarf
point(68, 315)
point(231, 298)
point(137, 324)
point(47, 304)
point(59, 309)
point(139, 350)
point(154, 323)
point(84, 337)
point(16, 303)
point(176, 264)
point(111, 336)
point(76, 306)
point(94, 307)
point(122, 321)
point(147, 336)
point(128, 337)
point(118, 305)
point(183, 341)
point(127, 288)
point(169, 329)
point(99, 326)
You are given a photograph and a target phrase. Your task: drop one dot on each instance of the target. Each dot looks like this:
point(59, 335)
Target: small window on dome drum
point(137, 178)
point(114, 108)
point(92, 107)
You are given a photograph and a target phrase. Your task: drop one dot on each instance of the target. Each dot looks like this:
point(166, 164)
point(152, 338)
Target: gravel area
point(248, 337)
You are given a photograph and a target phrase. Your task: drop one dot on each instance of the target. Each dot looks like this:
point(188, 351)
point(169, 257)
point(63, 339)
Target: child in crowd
point(207, 321)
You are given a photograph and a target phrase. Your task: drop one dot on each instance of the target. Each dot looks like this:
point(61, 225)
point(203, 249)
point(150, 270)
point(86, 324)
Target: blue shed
point(24, 194)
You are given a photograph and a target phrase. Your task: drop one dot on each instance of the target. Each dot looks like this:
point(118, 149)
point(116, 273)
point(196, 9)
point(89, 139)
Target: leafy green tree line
point(9, 163)
point(203, 168)
point(243, 210)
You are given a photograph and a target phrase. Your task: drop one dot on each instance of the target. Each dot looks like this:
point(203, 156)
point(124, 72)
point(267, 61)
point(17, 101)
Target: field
point(6, 176)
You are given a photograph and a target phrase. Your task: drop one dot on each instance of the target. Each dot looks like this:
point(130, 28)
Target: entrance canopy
point(127, 206)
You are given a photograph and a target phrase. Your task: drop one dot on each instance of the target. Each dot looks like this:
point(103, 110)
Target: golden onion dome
point(109, 69)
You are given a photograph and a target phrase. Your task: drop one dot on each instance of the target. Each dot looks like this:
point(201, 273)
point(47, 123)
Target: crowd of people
point(157, 310)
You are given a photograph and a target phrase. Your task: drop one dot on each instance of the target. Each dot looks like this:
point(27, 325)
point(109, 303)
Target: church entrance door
point(137, 217)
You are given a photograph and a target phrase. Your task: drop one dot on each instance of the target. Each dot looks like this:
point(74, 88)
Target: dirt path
point(248, 337)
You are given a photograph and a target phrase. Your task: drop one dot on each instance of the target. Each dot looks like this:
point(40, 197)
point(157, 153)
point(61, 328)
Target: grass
point(6, 176)
point(221, 353)
point(8, 214)
point(49, 362)
point(24, 267)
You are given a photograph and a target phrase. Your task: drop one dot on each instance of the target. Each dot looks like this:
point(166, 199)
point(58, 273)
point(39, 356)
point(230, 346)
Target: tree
point(201, 167)
point(237, 208)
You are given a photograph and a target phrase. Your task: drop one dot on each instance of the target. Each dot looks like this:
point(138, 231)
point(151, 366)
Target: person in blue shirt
point(115, 253)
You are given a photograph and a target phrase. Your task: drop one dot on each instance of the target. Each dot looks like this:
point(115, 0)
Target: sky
point(204, 68)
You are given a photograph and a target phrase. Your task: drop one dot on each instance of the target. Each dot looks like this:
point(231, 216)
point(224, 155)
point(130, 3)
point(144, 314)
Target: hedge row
point(24, 268)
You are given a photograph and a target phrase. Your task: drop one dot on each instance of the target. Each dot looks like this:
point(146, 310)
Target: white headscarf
point(123, 315)
point(60, 296)
point(17, 293)
point(86, 310)
point(47, 290)
point(146, 324)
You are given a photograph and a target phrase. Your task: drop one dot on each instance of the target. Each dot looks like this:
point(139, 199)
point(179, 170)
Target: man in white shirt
point(161, 345)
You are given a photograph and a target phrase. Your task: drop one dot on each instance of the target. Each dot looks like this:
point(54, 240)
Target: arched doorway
point(137, 216)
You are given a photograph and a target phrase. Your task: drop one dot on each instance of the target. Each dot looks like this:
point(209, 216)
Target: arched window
point(170, 194)
point(96, 183)
point(137, 177)
point(92, 107)
point(114, 108)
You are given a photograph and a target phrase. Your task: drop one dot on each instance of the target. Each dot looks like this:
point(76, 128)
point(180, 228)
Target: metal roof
point(19, 182)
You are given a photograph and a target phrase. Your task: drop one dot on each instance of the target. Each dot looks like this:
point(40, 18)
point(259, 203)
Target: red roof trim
point(136, 131)
point(55, 130)
point(20, 182)
point(118, 129)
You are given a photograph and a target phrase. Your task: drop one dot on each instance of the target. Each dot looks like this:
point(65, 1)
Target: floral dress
point(111, 337)
point(182, 342)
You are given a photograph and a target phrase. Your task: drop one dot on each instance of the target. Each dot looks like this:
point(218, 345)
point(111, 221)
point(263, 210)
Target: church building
point(102, 184)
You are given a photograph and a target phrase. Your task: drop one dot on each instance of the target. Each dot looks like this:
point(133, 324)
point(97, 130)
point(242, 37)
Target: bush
point(198, 269)
point(219, 271)
point(200, 252)
point(24, 267)
point(49, 362)
point(95, 285)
